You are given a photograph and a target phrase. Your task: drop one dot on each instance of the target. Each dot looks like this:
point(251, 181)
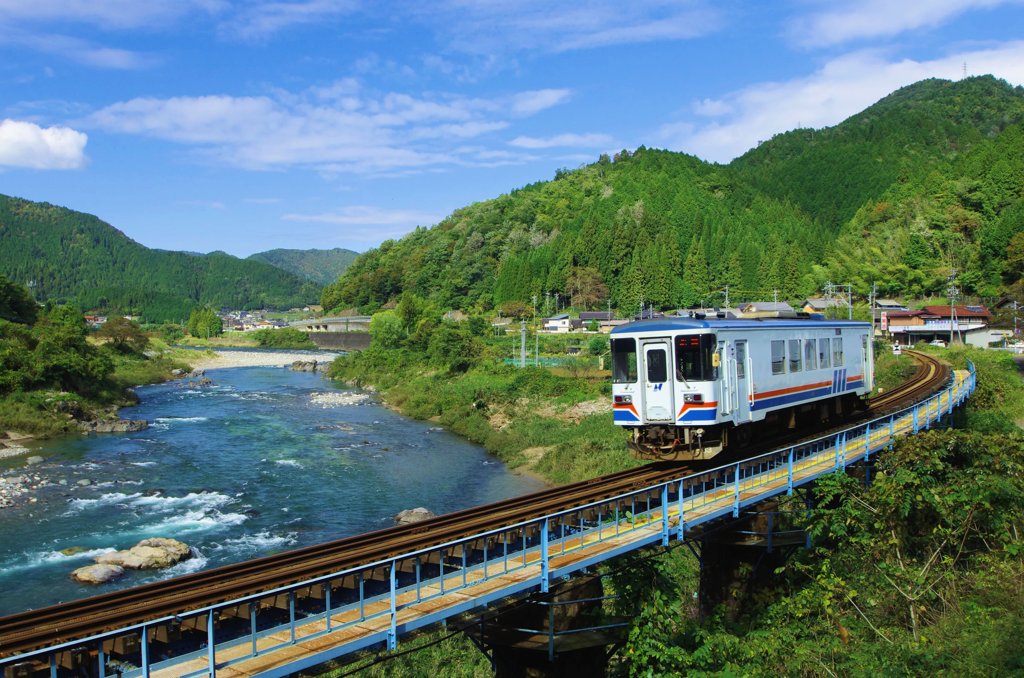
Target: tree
point(203, 322)
point(517, 310)
point(386, 330)
point(16, 303)
point(585, 287)
point(124, 334)
point(63, 358)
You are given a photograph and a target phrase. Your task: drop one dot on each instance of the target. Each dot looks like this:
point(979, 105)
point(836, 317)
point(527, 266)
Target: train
point(690, 387)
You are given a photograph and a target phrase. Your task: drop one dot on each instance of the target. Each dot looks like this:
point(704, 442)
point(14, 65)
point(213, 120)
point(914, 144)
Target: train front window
point(624, 361)
point(694, 357)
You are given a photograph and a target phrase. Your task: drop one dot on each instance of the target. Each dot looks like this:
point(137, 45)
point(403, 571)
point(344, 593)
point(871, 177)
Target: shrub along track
point(66, 622)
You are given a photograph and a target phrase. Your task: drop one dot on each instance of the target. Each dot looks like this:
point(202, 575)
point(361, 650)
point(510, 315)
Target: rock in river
point(97, 574)
point(113, 425)
point(414, 516)
point(148, 554)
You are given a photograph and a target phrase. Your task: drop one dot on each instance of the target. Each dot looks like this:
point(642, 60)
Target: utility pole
point(522, 343)
point(953, 292)
point(872, 302)
point(727, 296)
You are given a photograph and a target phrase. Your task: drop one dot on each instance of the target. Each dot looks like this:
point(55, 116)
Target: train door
point(658, 397)
point(727, 386)
point(741, 380)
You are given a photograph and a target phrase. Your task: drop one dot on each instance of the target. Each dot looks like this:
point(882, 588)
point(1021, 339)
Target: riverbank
point(216, 360)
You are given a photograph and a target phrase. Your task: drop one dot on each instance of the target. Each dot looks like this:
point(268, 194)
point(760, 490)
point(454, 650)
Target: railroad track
point(33, 629)
point(930, 376)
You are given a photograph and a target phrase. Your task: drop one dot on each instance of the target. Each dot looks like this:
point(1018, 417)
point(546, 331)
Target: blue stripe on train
point(625, 416)
point(779, 401)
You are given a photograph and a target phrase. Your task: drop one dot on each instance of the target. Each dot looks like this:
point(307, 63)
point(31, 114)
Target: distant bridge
point(345, 333)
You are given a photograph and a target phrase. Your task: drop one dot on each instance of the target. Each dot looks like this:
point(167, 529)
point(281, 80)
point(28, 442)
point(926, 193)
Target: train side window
point(809, 354)
point(624, 361)
point(741, 360)
point(824, 357)
point(794, 355)
point(837, 352)
point(657, 366)
point(778, 356)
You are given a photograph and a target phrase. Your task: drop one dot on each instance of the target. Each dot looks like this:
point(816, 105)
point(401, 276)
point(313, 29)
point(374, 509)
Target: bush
point(285, 337)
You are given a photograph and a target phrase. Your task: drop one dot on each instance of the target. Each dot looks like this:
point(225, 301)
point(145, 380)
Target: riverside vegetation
point(52, 377)
point(921, 572)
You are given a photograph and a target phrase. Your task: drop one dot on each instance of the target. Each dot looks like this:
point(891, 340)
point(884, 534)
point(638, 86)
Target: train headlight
point(623, 399)
point(693, 398)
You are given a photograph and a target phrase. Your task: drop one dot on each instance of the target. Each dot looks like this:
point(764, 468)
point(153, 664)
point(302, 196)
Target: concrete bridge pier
point(738, 561)
point(562, 633)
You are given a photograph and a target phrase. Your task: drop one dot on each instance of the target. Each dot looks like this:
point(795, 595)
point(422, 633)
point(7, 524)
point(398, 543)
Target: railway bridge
point(285, 613)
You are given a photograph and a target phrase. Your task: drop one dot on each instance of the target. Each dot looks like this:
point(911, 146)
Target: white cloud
point(840, 89)
point(82, 51)
point(261, 19)
point(105, 14)
point(528, 103)
point(24, 144)
point(558, 27)
point(868, 19)
point(564, 141)
point(370, 224)
point(338, 128)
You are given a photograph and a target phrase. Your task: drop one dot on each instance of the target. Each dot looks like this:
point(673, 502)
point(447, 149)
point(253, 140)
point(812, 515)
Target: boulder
point(415, 515)
point(304, 366)
point(97, 574)
point(113, 425)
point(148, 554)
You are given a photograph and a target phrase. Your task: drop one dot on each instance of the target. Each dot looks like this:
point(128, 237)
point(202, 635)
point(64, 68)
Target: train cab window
point(837, 352)
point(778, 356)
point(824, 357)
point(694, 355)
point(624, 361)
point(794, 355)
point(657, 366)
point(809, 363)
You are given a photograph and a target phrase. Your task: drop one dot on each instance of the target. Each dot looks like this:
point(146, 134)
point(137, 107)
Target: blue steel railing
point(376, 602)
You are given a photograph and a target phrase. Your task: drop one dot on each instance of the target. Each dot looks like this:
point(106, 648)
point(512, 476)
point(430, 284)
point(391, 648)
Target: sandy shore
point(202, 360)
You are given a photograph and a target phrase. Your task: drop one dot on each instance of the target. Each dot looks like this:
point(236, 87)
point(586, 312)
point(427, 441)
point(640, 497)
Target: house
point(970, 324)
point(562, 323)
point(819, 305)
point(889, 305)
point(766, 309)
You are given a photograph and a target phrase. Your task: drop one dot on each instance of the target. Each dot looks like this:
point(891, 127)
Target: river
point(262, 461)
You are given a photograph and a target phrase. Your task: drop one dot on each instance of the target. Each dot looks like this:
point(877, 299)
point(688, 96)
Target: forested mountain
point(76, 258)
point(319, 266)
point(887, 196)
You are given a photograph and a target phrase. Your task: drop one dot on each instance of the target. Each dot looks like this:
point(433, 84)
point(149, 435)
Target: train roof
point(681, 323)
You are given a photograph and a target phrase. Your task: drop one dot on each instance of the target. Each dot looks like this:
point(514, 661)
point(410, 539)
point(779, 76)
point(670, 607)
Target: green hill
point(71, 257)
point(318, 266)
point(663, 228)
point(830, 173)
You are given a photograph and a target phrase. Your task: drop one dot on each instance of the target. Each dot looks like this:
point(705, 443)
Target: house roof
point(961, 311)
point(765, 306)
point(819, 304)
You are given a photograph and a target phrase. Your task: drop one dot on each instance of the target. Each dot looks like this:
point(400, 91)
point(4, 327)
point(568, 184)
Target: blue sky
point(243, 126)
